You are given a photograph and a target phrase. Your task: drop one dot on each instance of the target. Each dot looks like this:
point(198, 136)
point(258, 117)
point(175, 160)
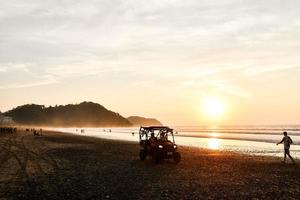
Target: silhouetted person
point(163, 136)
point(287, 141)
point(152, 141)
point(35, 133)
point(152, 137)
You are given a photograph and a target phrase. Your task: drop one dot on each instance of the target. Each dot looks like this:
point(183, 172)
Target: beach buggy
point(158, 142)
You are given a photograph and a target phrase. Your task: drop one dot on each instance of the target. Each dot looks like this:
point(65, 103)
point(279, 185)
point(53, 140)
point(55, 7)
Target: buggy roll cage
point(146, 131)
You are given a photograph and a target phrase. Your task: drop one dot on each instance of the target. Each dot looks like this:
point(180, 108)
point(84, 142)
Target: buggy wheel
point(177, 157)
point(156, 157)
point(143, 154)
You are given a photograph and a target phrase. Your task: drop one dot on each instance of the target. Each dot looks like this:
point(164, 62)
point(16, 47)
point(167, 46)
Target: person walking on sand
point(287, 141)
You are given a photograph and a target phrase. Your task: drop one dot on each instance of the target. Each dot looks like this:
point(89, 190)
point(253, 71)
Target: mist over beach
point(111, 99)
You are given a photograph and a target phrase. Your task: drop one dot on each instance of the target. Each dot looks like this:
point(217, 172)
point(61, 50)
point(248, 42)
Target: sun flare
point(213, 107)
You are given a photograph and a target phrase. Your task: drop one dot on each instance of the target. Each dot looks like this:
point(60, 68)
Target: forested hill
point(86, 114)
point(141, 121)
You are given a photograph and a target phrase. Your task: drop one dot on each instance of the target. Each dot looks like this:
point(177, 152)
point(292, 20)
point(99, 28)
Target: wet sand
point(64, 166)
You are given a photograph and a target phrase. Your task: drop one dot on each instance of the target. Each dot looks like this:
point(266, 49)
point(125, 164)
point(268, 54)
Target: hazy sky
point(155, 58)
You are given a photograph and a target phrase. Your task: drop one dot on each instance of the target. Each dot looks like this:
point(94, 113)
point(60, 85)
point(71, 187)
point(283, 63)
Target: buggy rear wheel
point(177, 157)
point(143, 154)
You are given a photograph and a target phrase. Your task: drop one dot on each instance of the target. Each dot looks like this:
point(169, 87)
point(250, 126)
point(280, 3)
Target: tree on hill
point(83, 114)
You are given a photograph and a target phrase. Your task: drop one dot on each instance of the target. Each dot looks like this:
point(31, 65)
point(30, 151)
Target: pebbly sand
point(64, 166)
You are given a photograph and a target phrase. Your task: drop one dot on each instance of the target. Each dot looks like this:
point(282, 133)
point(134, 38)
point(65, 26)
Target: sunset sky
point(155, 58)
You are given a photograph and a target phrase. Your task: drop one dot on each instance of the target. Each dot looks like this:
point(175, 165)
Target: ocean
point(254, 140)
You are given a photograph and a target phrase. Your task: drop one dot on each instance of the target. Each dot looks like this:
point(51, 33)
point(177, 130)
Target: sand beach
point(64, 166)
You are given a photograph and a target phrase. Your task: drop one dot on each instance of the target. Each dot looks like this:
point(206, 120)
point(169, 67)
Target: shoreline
point(67, 166)
point(223, 143)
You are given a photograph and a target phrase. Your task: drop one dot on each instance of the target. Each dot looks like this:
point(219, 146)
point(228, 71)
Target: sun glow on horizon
point(214, 134)
point(213, 107)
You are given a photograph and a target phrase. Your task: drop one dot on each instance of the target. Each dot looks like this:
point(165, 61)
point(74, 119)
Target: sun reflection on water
point(213, 143)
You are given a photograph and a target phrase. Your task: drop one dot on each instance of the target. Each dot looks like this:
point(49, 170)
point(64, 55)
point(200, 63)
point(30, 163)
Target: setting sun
point(213, 107)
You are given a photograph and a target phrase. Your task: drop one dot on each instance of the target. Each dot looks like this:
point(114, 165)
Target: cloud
point(221, 86)
point(255, 71)
point(155, 41)
point(15, 66)
point(3, 69)
point(22, 75)
point(44, 80)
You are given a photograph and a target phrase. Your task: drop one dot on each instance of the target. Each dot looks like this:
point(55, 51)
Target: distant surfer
point(287, 141)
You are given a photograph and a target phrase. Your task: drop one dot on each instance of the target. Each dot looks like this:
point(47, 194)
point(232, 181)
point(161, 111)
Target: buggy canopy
point(155, 128)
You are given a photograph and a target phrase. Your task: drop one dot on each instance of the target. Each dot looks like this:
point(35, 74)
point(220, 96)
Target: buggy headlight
point(175, 146)
point(160, 146)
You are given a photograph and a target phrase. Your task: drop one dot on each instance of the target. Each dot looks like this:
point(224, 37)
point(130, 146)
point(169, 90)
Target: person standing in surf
point(287, 141)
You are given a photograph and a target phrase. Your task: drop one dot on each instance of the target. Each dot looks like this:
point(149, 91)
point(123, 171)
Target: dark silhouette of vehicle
point(159, 143)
